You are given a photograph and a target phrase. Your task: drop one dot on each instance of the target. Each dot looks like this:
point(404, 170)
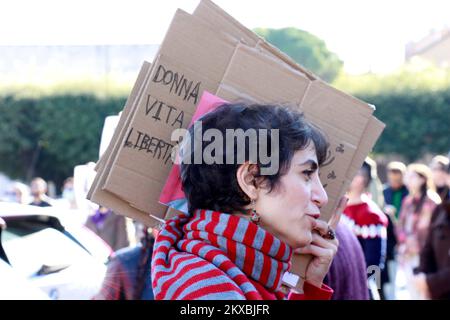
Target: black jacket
point(435, 256)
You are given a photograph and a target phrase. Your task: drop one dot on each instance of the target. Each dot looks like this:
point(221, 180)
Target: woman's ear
point(246, 178)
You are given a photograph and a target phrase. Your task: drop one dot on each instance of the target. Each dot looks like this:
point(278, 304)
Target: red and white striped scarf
point(214, 255)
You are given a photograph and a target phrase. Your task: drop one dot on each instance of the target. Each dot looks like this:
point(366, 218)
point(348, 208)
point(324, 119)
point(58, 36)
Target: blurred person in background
point(395, 190)
point(109, 226)
point(20, 193)
point(414, 221)
point(366, 219)
point(38, 191)
point(438, 167)
point(68, 193)
point(394, 193)
point(433, 281)
point(375, 189)
point(417, 208)
point(83, 176)
point(376, 192)
point(128, 275)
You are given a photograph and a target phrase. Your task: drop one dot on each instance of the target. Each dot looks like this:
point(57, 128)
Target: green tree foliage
point(413, 101)
point(415, 76)
point(417, 122)
point(48, 136)
point(306, 49)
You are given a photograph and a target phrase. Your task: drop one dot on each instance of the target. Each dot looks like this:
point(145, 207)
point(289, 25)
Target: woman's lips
point(314, 215)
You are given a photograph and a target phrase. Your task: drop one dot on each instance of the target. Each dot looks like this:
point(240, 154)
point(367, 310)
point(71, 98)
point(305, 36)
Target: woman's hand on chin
point(322, 249)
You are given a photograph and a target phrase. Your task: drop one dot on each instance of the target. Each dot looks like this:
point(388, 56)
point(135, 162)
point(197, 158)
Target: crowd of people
point(116, 230)
point(406, 230)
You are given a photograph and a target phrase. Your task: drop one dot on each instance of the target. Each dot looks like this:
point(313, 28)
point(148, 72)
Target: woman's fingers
point(317, 240)
point(334, 220)
point(324, 254)
point(324, 243)
point(321, 227)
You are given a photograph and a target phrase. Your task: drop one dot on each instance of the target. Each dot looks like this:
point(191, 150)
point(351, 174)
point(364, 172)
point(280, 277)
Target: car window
point(23, 227)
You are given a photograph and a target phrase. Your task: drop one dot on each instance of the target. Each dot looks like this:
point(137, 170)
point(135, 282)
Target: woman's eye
point(308, 174)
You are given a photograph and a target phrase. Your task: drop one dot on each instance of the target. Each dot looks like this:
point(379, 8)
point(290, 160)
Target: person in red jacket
point(242, 228)
point(366, 219)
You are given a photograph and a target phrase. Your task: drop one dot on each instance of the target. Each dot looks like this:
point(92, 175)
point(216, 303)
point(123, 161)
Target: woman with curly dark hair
point(244, 224)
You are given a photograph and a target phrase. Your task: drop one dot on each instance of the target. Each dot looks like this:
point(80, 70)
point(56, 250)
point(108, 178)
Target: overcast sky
point(366, 34)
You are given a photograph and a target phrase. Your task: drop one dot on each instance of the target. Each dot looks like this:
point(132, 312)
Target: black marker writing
point(340, 148)
point(160, 111)
point(178, 83)
point(331, 175)
point(141, 141)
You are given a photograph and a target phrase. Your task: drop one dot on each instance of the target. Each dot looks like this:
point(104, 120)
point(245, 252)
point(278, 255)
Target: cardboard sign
point(211, 51)
point(96, 192)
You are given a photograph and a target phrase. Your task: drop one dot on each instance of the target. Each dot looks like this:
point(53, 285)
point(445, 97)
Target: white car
point(52, 249)
point(15, 287)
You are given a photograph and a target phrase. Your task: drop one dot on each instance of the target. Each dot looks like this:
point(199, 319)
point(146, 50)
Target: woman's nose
point(319, 195)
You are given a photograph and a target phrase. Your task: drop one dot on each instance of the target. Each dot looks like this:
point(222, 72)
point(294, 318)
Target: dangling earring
point(256, 218)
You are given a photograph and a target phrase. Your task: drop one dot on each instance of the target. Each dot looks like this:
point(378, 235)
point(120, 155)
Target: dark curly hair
point(215, 186)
